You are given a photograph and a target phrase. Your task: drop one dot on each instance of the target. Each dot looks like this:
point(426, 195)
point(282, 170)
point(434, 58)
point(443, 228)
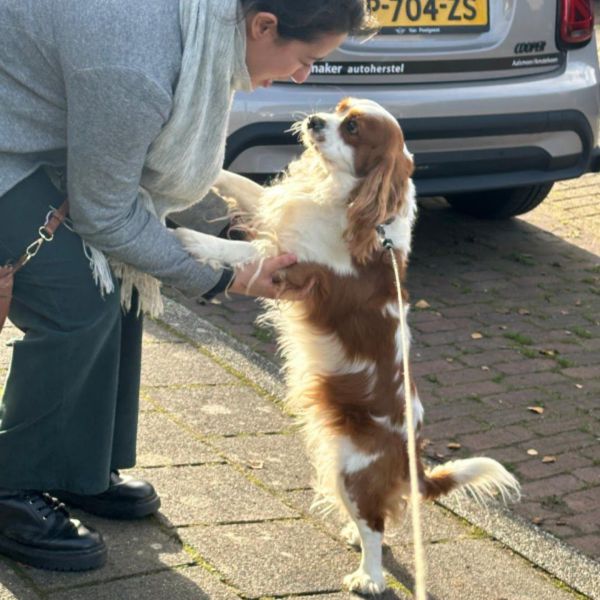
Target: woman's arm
point(114, 114)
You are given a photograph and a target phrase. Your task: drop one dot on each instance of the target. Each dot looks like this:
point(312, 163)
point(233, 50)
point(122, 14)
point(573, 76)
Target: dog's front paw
point(215, 251)
point(350, 534)
point(364, 583)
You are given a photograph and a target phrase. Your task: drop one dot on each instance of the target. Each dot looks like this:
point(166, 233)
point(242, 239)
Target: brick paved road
point(531, 288)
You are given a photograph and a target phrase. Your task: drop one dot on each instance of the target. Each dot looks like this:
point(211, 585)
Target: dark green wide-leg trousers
point(70, 403)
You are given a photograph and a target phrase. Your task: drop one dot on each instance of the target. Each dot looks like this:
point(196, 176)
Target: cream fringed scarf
point(187, 156)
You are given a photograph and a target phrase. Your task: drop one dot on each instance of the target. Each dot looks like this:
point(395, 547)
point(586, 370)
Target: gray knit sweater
point(87, 86)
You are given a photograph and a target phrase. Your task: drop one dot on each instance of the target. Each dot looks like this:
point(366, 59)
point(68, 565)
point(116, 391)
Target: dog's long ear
point(378, 197)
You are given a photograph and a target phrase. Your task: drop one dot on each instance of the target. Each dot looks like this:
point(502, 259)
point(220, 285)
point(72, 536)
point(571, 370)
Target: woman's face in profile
point(270, 58)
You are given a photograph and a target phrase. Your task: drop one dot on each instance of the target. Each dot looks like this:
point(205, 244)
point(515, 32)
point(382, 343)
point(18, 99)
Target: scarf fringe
point(148, 287)
point(151, 302)
point(100, 270)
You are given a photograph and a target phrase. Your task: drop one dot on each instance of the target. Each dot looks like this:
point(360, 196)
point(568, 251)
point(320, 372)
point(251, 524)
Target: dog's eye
point(352, 127)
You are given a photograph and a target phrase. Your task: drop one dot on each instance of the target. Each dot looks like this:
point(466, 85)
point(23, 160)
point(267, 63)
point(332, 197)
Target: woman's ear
point(262, 25)
point(378, 198)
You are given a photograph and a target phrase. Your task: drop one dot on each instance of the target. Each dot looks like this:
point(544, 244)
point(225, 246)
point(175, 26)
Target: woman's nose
point(301, 75)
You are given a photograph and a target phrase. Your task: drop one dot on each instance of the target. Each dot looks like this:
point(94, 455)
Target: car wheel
point(500, 204)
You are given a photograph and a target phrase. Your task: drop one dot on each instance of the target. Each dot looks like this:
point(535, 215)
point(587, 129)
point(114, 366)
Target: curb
point(537, 546)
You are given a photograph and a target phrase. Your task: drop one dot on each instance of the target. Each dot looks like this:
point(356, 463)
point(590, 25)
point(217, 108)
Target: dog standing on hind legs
point(341, 345)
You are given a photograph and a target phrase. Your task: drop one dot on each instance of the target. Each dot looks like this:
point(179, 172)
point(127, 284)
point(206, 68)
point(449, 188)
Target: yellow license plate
point(431, 16)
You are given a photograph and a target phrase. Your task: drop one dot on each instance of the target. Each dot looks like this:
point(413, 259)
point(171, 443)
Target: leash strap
point(411, 442)
point(7, 273)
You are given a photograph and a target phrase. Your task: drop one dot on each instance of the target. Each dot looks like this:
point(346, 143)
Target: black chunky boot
point(36, 529)
point(125, 498)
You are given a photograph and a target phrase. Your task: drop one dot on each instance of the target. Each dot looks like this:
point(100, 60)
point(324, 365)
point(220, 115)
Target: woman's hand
point(270, 282)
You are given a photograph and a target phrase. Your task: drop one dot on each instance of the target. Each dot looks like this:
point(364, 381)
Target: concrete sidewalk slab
point(221, 410)
point(212, 494)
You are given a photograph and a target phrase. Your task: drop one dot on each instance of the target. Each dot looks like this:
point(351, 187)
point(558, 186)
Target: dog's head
point(363, 140)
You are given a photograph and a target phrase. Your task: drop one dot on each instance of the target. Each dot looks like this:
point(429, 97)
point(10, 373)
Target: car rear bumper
point(465, 137)
point(457, 169)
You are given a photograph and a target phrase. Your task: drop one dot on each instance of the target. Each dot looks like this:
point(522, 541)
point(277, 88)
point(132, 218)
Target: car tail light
point(576, 22)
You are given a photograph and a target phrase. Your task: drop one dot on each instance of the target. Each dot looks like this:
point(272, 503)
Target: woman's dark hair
point(307, 20)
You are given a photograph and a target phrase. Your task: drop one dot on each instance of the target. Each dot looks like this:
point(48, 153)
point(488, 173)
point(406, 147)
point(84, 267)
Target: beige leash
point(415, 504)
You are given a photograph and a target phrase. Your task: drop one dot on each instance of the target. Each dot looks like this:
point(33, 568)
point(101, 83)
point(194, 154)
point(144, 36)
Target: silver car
point(498, 98)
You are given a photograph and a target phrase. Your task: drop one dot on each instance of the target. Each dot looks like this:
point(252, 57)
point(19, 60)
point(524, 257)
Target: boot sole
point(112, 510)
point(54, 560)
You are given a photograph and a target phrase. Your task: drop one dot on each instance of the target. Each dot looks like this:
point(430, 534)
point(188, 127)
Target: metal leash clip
point(45, 236)
point(386, 242)
point(33, 249)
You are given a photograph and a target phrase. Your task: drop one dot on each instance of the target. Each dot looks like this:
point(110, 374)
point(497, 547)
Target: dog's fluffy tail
point(483, 478)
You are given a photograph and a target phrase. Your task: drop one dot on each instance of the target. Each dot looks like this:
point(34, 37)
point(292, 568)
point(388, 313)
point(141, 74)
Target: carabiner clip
point(33, 249)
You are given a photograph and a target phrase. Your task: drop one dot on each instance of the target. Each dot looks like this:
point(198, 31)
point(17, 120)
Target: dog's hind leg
point(366, 527)
point(369, 577)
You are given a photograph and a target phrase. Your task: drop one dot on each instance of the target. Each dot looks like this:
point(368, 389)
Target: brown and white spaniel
point(341, 345)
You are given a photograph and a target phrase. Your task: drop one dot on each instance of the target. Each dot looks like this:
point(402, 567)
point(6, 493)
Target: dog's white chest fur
point(313, 232)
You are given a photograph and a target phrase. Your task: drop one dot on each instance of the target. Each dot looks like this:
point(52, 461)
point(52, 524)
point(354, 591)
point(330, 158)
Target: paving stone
point(588, 544)
point(212, 494)
point(535, 510)
point(452, 427)
point(432, 367)
point(550, 425)
point(559, 527)
point(505, 416)
point(222, 410)
point(272, 559)
point(156, 333)
point(445, 324)
point(557, 486)
point(586, 523)
point(496, 438)
point(581, 372)
point(464, 570)
point(420, 352)
point(180, 364)
point(13, 587)
point(526, 366)
point(536, 469)
point(569, 440)
point(190, 583)
point(590, 475)
point(280, 461)
point(134, 547)
point(584, 500)
point(466, 375)
point(437, 409)
point(533, 379)
point(478, 388)
point(161, 442)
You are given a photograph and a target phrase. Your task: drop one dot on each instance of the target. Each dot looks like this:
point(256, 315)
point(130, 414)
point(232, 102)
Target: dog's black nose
point(316, 123)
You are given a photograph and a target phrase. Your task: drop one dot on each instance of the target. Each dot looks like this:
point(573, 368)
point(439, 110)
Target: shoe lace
point(46, 504)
